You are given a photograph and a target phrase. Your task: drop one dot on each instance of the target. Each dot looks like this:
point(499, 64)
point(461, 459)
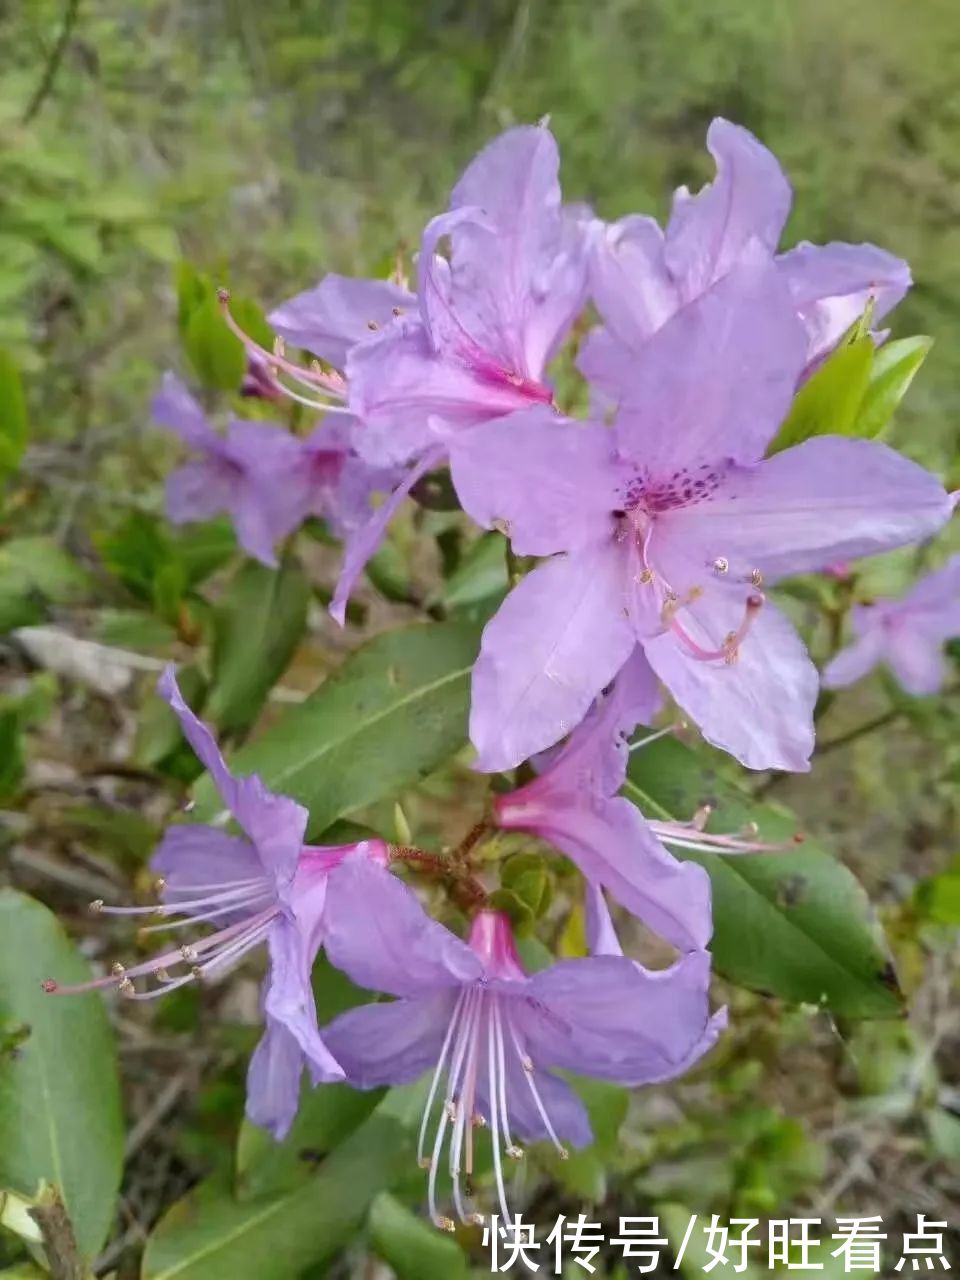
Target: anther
point(372, 326)
point(477, 1219)
point(756, 577)
point(721, 566)
point(563, 1153)
point(117, 969)
point(95, 906)
point(49, 985)
point(446, 1224)
point(196, 973)
point(702, 816)
point(162, 975)
point(424, 1162)
point(527, 1064)
point(279, 347)
point(645, 577)
point(451, 1109)
point(515, 1153)
point(160, 884)
point(223, 297)
point(479, 1122)
point(126, 988)
point(189, 953)
point(398, 311)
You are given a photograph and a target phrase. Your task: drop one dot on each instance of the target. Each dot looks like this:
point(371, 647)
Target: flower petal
point(747, 201)
point(613, 847)
point(393, 1042)
point(716, 381)
point(399, 383)
point(331, 318)
point(380, 936)
point(916, 659)
point(629, 281)
point(200, 490)
point(551, 483)
point(275, 824)
point(364, 540)
point(196, 855)
point(856, 660)
point(759, 708)
point(606, 1016)
point(831, 284)
point(568, 1115)
point(175, 408)
point(829, 499)
point(288, 998)
point(556, 641)
point(273, 1080)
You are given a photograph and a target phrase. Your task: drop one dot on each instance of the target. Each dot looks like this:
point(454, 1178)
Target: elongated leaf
point(393, 713)
point(481, 574)
point(895, 366)
point(13, 415)
point(257, 627)
point(829, 401)
point(59, 1095)
point(415, 1250)
point(795, 925)
point(211, 1236)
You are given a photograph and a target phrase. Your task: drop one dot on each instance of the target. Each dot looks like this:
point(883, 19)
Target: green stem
point(43, 89)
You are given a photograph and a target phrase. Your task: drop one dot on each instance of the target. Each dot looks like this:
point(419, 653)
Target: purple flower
point(573, 804)
point(244, 473)
point(468, 1012)
point(640, 276)
point(263, 886)
point(472, 344)
point(670, 524)
point(907, 635)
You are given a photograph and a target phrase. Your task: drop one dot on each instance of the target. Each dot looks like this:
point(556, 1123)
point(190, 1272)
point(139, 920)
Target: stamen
point(721, 566)
point(423, 1160)
point(535, 1092)
point(690, 835)
point(496, 1088)
point(756, 577)
point(96, 906)
point(729, 650)
point(660, 733)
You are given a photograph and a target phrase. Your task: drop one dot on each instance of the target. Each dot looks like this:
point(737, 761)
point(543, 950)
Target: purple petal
point(613, 847)
point(594, 759)
point(338, 313)
point(378, 933)
point(629, 281)
point(275, 824)
point(391, 1043)
point(551, 483)
point(916, 659)
point(556, 641)
point(608, 1017)
point(608, 365)
point(195, 855)
point(716, 381)
point(747, 201)
point(830, 285)
point(856, 660)
point(201, 490)
point(601, 935)
point(399, 383)
point(365, 540)
point(827, 500)
point(273, 1081)
point(568, 1115)
point(759, 708)
point(289, 1001)
point(175, 408)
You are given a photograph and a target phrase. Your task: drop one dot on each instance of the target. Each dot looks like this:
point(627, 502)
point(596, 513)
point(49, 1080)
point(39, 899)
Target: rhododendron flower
point(471, 344)
point(267, 480)
point(907, 635)
point(468, 1012)
point(640, 276)
point(242, 473)
point(670, 525)
point(264, 886)
point(573, 804)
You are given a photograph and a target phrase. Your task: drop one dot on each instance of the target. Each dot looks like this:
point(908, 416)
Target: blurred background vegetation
point(268, 143)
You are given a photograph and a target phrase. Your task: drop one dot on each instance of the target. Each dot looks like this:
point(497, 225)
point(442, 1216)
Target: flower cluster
point(661, 521)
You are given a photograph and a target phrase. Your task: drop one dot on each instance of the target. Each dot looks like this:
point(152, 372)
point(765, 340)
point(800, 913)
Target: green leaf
point(895, 365)
point(938, 897)
point(13, 415)
point(39, 566)
point(584, 1172)
point(412, 1248)
point(480, 575)
point(216, 354)
point(796, 924)
point(394, 711)
point(257, 627)
point(829, 401)
point(211, 1236)
point(11, 752)
point(60, 1114)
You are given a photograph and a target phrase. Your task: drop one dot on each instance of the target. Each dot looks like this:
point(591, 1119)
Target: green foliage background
point(267, 143)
